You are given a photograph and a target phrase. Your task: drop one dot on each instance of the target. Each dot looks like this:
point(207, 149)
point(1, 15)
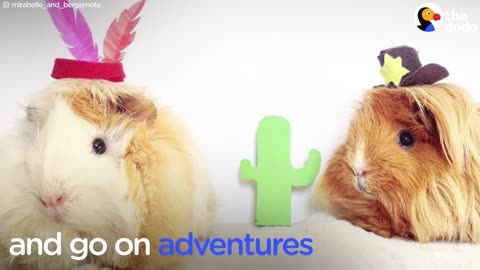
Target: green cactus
point(274, 174)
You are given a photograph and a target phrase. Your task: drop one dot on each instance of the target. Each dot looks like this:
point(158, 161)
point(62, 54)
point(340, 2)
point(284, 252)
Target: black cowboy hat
point(412, 71)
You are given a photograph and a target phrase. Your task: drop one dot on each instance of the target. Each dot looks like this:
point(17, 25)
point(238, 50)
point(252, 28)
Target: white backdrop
point(224, 65)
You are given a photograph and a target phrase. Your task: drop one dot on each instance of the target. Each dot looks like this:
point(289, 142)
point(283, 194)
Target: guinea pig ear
point(449, 114)
point(34, 114)
point(137, 107)
point(425, 117)
point(37, 109)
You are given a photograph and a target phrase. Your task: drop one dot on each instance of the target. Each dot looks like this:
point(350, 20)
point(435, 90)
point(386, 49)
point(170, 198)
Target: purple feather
point(73, 29)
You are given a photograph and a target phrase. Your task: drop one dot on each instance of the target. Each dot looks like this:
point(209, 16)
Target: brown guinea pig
point(410, 166)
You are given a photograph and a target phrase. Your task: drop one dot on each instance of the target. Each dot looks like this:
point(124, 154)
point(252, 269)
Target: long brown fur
point(428, 192)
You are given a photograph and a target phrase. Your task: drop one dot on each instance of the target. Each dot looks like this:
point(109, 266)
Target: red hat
point(77, 35)
point(76, 69)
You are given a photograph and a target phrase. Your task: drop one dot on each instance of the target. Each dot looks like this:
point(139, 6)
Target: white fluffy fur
point(359, 162)
point(51, 151)
point(37, 160)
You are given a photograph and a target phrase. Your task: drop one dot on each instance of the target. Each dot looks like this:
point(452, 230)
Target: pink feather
point(120, 34)
point(74, 30)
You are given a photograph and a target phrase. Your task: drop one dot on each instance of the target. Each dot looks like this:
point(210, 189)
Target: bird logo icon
point(425, 16)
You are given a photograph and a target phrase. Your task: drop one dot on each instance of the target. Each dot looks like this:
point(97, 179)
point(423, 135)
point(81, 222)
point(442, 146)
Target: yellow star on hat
point(392, 70)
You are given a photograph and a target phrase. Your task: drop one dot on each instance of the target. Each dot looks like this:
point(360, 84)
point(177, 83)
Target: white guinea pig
point(95, 159)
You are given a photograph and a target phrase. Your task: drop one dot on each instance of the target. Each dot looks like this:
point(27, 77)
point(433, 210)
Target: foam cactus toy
point(275, 175)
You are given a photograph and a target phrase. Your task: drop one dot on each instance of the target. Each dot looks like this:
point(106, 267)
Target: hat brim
point(428, 74)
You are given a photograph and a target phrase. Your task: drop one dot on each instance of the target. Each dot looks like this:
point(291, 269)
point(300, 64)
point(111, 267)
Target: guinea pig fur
point(95, 159)
point(410, 166)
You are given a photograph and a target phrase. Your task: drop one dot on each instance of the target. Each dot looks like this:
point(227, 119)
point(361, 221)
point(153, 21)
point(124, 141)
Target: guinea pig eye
point(99, 146)
point(406, 139)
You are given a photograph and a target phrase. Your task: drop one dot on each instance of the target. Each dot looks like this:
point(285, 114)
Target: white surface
point(225, 64)
point(339, 245)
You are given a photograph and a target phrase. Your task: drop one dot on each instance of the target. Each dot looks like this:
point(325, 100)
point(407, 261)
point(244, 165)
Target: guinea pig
point(96, 159)
point(410, 166)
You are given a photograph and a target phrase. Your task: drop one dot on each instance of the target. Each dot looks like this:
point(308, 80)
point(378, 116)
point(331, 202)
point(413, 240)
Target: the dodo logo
point(428, 17)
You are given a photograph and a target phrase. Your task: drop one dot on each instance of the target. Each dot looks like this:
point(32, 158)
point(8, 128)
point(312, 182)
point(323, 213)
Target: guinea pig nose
point(52, 200)
point(360, 173)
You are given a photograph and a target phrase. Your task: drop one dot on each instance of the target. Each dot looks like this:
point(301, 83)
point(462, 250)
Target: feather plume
point(121, 33)
point(73, 29)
